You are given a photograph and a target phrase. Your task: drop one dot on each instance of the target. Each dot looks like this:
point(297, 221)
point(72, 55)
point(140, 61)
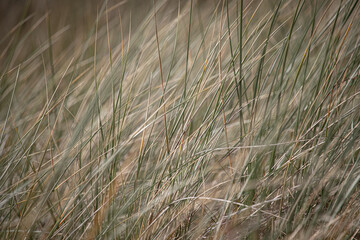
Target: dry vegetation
point(180, 119)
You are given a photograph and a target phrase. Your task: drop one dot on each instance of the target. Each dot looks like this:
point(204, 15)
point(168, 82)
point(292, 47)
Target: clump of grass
point(186, 120)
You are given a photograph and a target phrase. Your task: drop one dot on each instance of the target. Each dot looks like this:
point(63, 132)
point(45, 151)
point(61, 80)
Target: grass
point(180, 120)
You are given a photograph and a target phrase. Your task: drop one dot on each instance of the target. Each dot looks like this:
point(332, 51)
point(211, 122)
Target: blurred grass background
point(179, 119)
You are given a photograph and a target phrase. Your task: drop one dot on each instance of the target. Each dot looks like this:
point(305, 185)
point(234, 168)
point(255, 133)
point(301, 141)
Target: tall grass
point(181, 120)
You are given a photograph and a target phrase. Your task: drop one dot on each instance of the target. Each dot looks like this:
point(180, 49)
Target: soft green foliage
point(181, 120)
